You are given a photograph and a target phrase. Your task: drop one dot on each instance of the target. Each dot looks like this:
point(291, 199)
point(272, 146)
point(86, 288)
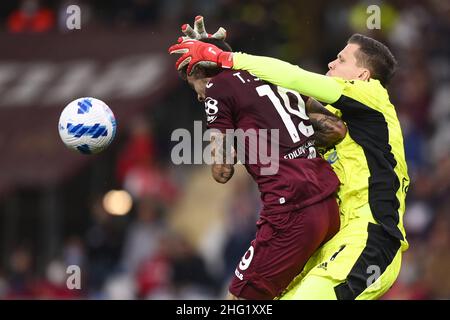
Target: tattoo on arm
point(328, 130)
point(314, 106)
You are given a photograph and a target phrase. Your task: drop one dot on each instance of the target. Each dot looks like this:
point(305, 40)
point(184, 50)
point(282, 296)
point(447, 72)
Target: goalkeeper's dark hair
point(375, 56)
point(208, 72)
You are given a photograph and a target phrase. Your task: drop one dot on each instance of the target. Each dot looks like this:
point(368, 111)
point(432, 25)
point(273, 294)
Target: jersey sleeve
point(350, 97)
point(322, 88)
point(219, 105)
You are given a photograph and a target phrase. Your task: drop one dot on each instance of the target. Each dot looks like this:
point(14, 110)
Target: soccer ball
point(87, 125)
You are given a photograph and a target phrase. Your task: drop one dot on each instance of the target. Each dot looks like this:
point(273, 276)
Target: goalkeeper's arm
point(284, 74)
point(329, 129)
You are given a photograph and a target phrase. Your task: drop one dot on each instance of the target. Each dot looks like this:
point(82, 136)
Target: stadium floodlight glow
point(117, 202)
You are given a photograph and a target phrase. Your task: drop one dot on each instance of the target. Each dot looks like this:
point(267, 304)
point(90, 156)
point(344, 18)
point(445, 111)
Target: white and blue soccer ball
point(87, 125)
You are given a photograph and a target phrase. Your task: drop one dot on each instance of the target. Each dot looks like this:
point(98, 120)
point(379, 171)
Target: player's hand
point(199, 31)
point(195, 52)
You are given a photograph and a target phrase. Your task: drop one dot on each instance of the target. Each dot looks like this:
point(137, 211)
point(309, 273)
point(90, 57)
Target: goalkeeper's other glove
point(199, 31)
point(195, 53)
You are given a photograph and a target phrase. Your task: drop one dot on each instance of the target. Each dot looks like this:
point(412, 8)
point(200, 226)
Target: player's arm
point(320, 87)
point(223, 157)
point(219, 107)
point(284, 74)
point(328, 128)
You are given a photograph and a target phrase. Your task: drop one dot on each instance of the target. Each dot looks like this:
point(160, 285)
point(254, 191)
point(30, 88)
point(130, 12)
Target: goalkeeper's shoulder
point(369, 93)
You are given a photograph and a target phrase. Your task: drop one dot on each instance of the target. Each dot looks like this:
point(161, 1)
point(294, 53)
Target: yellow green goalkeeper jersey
point(370, 161)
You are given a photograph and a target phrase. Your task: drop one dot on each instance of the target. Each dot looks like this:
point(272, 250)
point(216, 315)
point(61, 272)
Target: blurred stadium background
point(182, 234)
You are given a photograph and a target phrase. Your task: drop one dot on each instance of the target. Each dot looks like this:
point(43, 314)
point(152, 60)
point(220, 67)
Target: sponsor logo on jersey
point(305, 150)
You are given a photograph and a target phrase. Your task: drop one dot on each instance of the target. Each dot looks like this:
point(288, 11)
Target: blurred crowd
point(143, 255)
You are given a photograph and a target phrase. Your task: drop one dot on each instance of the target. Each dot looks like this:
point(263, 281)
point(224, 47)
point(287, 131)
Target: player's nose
point(200, 98)
point(331, 65)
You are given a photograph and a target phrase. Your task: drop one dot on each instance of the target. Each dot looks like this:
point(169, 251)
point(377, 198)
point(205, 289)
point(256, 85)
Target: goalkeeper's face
point(199, 85)
point(347, 66)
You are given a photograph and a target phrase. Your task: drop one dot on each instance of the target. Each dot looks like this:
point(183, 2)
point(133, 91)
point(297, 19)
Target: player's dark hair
point(212, 71)
point(375, 56)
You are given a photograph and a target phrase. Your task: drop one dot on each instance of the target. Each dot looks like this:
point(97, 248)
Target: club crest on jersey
point(211, 109)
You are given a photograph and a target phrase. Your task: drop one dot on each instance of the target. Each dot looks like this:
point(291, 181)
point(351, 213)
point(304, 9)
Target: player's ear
point(364, 74)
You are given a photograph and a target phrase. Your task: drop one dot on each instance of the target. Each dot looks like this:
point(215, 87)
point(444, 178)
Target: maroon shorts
point(284, 242)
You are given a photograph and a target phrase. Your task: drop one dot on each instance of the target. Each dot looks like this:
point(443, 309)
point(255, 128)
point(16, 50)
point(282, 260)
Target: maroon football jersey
point(271, 119)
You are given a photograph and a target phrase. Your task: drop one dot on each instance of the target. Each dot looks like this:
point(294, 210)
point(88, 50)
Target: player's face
point(345, 66)
point(199, 85)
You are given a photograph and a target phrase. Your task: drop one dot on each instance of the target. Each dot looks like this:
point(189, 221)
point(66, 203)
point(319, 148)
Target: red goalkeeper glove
point(195, 52)
point(199, 31)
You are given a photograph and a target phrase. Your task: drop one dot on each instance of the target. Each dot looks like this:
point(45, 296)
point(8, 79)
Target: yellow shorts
point(359, 262)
